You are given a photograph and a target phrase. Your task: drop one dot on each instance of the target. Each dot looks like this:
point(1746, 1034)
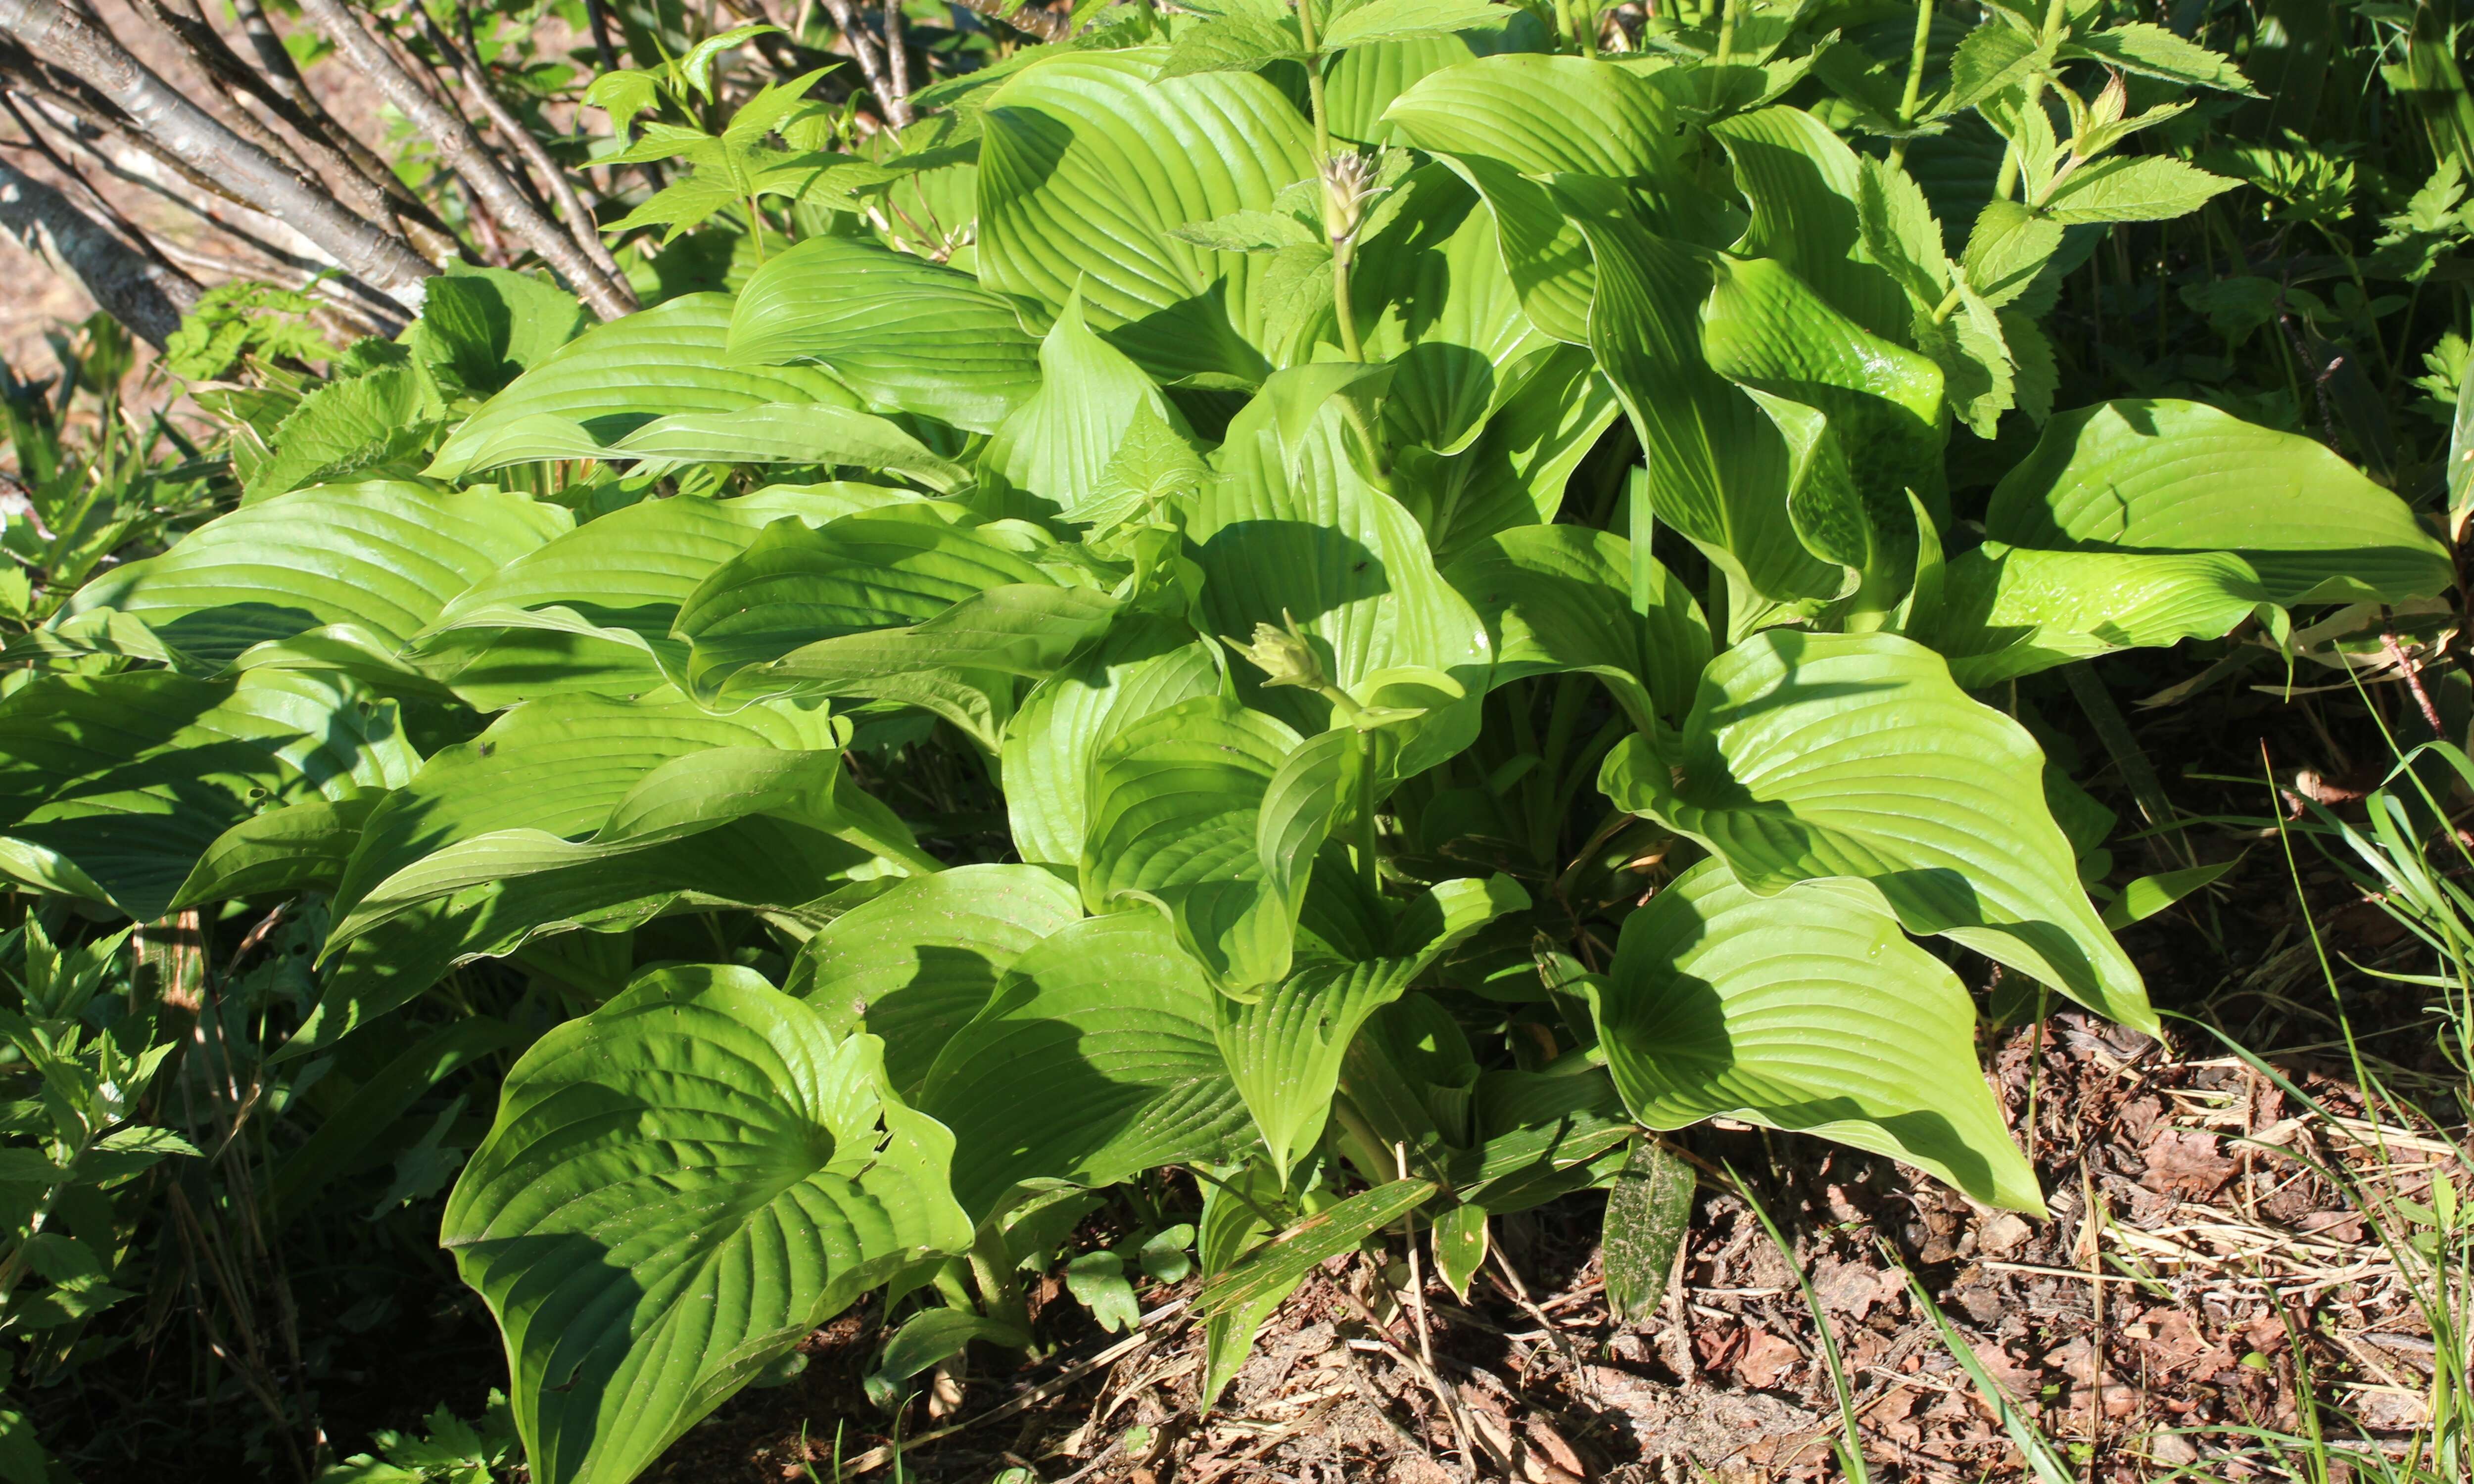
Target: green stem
point(1000, 1298)
point(1342, 251)
point(2056, 16)
point(1370, 869)
point(1313, 80)
point(1915, 80)
point(1343, 310)
point(1726, 35)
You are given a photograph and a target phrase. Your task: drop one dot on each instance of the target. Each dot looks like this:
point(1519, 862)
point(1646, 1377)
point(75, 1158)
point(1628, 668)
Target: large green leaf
point(1361, 82)
point(665, 361)
point(1525, 109)
point(1095, 1061)
point(679, 1188)
point(1089, 163)
point(1432, 299)
point(113, 787)
point(591, 610)
point(1765, 328)
point(1803, 183)
point(2007, 611)
point(882, 603)
point(1516, 470)
point(591, 811)
point(1144, 664)
point(1058, 444)
point(1504, 123)
point(906, 334)
point(820, 433)
point(2167, 476)
point(1284, 1048)
point(1719, 470)
point(375, 561)
point(1559, 598)
point(1175, 800)
point(1802, 1009)
point(914, 965)
point(1855, 760)
point(1292, 530)
point(2148, 523)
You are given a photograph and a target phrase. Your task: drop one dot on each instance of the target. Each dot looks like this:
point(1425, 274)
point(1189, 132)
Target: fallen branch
point(80, 45)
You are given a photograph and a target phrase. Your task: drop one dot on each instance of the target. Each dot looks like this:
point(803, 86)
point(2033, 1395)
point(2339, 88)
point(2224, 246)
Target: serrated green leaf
point(1899, 233)
point(2007, 248)
point(2153, 51)
point(1854, 760)
point(2133, 188)
point(1718, 994)
point(382, 421)
point(676, 1188)
point(481, 327)
point(1990, 60)
point(1242, 38)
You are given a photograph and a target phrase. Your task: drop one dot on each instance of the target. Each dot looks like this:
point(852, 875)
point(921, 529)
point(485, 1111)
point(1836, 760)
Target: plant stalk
point(1915, 80)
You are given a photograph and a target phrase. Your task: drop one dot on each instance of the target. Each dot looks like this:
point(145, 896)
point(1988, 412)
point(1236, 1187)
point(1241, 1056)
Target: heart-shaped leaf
point(677, 1188)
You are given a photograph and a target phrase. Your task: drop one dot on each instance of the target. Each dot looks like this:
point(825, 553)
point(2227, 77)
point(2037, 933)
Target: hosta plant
point(1438, 550)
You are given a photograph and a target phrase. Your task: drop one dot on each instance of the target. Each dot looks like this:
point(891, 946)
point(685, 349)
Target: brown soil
point(2195, 1278)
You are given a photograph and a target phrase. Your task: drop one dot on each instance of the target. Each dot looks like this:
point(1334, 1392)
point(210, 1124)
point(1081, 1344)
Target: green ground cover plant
point(1374, 601)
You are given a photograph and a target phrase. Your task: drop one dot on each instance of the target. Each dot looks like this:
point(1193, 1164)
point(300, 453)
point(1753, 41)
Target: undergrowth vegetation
point(1378, 603)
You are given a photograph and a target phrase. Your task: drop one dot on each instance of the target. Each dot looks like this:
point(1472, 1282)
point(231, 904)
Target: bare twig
point(1030, 21)
point(79, 45)
point(2413, 680)
point(862, 49)
point(580, 224)
point(283, 75)
point(461, 151)
point(148, 296)
point(897, 68)
point(1143, 1335)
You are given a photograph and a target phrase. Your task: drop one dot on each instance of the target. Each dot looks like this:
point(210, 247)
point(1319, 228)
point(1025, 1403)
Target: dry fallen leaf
point(2185, 1164)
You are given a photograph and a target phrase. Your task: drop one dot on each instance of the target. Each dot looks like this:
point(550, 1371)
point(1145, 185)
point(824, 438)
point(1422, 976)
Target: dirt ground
point(2195, 1279)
